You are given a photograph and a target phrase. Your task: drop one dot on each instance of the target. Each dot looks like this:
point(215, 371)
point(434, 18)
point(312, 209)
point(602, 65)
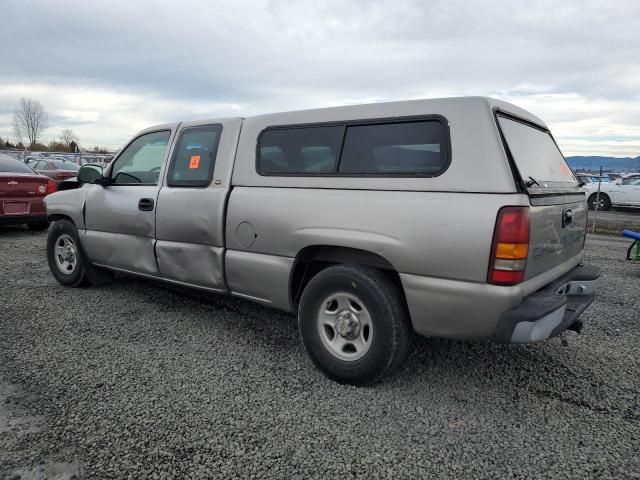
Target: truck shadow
point(449, 369)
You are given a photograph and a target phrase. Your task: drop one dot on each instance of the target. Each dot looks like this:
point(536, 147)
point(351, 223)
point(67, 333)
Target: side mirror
point(91, 173)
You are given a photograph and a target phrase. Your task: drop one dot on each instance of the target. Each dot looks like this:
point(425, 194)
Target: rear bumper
point(479, 311)
point(551, 310)
point(34, 208)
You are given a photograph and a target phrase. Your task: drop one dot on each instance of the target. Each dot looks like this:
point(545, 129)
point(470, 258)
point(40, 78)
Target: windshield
point(535, 154)
point(13, 166)
point(66, 166)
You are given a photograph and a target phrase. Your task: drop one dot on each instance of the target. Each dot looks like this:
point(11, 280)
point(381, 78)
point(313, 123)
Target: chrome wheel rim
point(66, 254)
point(345, 327)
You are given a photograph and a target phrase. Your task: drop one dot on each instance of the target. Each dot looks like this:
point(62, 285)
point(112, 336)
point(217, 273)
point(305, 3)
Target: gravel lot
point(139, 380)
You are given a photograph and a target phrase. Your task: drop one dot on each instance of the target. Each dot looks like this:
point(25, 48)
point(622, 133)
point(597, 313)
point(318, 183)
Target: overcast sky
point(109, 69)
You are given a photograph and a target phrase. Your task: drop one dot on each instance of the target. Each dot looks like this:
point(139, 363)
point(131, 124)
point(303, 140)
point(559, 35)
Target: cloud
point(110, 68)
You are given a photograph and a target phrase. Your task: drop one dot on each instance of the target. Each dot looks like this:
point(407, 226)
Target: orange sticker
point(194, 163)
point(566, 170)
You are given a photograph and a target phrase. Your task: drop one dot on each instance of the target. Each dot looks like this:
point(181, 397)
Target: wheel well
point(312, 260)
point(56, 216)
point(595, 195)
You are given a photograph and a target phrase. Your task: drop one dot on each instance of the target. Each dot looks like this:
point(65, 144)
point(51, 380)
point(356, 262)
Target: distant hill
point(626, 164)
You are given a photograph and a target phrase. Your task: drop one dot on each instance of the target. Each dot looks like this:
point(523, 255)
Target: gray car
point(454, 218)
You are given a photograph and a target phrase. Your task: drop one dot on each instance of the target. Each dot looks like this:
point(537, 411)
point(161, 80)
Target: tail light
point(510, 247)
point(52, 187)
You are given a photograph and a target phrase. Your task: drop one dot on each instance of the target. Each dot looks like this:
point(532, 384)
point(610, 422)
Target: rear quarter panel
point(439, 234)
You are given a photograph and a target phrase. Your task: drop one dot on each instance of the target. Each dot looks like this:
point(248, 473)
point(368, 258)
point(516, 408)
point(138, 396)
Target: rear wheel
point(604, 202)
point(353, 324)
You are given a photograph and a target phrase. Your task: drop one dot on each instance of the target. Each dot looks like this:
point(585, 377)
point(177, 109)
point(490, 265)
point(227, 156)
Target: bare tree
point(67, 137)
point(29, 120)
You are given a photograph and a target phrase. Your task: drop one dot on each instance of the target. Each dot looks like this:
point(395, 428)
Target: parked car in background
point(58, 170)
point(623, 192)
point(22, 191)
point(455, 218)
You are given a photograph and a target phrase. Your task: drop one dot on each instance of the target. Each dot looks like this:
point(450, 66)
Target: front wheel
point(64, 255)
point(353, 324)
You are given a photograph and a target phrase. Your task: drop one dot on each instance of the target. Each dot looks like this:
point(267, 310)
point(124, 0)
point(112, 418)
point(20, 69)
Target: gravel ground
point(138, 380)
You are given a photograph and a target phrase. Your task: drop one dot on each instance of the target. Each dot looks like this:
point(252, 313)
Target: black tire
point(84, 273)
point(605, 202)
point(386, 310)
point(37, 226)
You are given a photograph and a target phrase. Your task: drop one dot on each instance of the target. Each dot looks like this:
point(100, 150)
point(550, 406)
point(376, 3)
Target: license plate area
point(16, 208)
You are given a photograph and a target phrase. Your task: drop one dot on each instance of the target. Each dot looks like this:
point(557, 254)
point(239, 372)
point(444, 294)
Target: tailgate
point(558, 226)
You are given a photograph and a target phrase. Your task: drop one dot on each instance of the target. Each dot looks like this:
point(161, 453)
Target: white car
point(624, 192)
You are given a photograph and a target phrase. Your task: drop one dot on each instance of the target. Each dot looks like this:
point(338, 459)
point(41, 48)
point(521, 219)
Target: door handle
point(145, 204)
point(567, 217)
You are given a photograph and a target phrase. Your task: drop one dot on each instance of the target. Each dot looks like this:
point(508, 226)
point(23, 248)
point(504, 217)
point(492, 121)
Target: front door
point(120, 216)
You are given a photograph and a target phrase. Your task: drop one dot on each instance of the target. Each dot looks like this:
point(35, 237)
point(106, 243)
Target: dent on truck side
point(68, 203)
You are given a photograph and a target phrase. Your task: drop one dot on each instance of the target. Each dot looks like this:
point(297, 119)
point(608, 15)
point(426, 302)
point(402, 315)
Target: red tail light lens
point(51, 187)
point(510, 247)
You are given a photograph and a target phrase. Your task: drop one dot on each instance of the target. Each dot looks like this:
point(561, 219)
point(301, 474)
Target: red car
point(58, 170)
point(21, 193)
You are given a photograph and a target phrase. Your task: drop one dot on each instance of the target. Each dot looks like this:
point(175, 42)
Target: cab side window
point(140, 163)
point(194, 157)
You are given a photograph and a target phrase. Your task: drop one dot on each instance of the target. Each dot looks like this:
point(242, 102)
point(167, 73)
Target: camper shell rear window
point(536, 155)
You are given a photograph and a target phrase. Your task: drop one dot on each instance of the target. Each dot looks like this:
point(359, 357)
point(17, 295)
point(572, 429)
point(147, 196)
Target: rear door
point(120, 217)
point(558, 212)
point(192, 202)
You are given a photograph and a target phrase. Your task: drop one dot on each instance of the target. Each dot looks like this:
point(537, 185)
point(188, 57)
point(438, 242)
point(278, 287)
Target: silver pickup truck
point(454, 218)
